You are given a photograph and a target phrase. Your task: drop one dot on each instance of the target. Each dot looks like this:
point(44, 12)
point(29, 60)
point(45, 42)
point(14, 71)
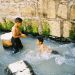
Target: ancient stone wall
point(12, 8)
point(59, 13)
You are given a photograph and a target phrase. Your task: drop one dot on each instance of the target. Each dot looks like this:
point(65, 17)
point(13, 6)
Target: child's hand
point(23, 36)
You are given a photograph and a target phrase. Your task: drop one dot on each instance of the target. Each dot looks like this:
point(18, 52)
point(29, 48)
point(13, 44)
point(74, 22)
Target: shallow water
point(63, 64)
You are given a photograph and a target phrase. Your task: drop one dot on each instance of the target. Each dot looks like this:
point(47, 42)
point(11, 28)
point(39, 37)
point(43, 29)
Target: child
point(16, 34)
point(43, 48)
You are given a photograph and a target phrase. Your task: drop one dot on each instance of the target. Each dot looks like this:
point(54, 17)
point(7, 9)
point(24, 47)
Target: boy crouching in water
point(16, 34)
point(43, 49)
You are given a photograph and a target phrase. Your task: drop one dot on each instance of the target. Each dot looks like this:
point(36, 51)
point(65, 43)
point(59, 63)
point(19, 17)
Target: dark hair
point(18, 20)
point(40, 38)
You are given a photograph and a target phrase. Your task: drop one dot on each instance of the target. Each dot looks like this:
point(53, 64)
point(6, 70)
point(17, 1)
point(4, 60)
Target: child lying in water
point(43, 49)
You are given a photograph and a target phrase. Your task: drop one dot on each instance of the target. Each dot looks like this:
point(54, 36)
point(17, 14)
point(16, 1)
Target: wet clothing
point(16, 44)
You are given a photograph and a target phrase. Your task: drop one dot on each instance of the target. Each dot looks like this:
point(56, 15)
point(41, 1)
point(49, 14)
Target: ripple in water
point(34, 56)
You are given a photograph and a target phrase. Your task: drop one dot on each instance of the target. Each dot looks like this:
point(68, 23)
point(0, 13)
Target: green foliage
point(0, 26)
point(4, 25)
point(30, 26)
point(46, 30)
point(7, 24)
point(72, 35)
point(27, 25)
point(35, 26)
point(23, 27)
point(72, 32)
point(29, 29)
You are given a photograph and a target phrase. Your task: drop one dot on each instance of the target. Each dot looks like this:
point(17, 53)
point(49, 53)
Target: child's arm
point(49, 50)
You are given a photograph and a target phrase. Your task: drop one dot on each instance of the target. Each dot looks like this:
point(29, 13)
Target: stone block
point(63, 1)
point(66, 28)
point(51, 11)
point(13, 10)
point(27, 11)
point(72, 16)
point(16, 1)
point(3, 10)
point(5, 1)
point(19, 68)
point(62, 11)
point(55, 28)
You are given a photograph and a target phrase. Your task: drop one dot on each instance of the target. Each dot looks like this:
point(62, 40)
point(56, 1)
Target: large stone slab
point(63, 1)
point(18, 1)
point(27, 11)
point(55, 28)
point(4, 1)
point(72, 16)
point(13, 10)
point(51, 11)
point(19, 68)
point(66, 28)
point(40, 7)
point(62, 11)
point(3, 10)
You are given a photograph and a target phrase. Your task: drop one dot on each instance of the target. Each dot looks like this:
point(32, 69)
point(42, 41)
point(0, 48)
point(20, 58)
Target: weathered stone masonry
point(59, 13)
